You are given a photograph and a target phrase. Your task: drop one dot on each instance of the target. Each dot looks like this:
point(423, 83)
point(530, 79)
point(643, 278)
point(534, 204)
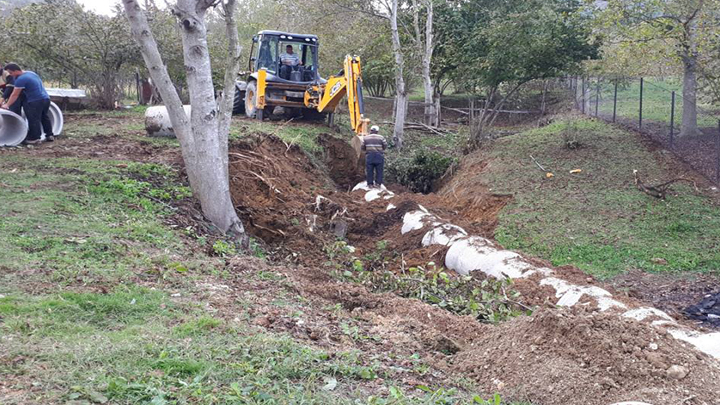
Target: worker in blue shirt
point(37, 103)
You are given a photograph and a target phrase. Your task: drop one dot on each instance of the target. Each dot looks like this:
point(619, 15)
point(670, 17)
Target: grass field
point(597, 219)
point(101, 298)
point(657, 102)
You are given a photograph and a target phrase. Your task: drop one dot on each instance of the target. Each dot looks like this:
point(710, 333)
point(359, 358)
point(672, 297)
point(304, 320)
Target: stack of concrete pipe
point(13, 128)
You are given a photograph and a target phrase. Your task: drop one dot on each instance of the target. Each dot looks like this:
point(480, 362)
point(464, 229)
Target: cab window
point(267, 54)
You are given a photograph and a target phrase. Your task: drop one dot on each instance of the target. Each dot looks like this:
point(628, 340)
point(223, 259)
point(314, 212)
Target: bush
point(419, 173)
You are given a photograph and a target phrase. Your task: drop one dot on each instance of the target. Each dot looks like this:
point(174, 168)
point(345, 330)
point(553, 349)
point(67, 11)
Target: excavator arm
point(348, 83)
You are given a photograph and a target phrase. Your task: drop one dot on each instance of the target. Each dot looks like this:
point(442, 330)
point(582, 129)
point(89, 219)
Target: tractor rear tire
point(238, 102)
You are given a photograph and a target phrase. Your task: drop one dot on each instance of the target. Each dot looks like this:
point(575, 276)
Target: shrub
point(420, 172)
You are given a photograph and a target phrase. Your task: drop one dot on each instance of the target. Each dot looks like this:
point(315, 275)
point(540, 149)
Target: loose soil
point(551, 358)
point(114, 142)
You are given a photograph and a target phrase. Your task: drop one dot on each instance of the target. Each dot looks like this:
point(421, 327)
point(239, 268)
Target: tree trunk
point(425, 48)
point(199, 137)
point(689, 125)
point(232, 68)
point(401, 98)
point(579, 88)
point(689, 56)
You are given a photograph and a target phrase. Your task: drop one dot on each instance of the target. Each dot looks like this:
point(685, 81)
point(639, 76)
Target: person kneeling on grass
point(374, 146)
point(36, 106)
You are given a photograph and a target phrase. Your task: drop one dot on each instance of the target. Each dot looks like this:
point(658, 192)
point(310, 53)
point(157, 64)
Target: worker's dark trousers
point(38, 116)
point(374, 163)
point(18, 105)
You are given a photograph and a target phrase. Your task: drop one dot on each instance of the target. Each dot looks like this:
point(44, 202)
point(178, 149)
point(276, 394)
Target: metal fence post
point(642, 83)
point(582, 98)
point(597, 98)
point(717, 155)
point(615, 101)
point(672, 121)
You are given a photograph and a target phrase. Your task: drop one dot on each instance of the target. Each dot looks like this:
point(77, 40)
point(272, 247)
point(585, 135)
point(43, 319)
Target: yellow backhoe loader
point(283, 72)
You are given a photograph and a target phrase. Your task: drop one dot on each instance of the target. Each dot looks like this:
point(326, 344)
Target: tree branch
point(231, 70)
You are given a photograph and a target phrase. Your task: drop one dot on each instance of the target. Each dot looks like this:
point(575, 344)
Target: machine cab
point(286, 57)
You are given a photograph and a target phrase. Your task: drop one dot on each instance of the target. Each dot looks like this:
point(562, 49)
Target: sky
point(104, 7)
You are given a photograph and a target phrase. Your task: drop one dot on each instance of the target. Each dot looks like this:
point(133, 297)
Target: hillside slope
point(595, 219)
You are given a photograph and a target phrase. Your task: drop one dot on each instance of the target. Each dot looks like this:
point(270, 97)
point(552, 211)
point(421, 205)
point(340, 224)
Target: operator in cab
point(290, 62)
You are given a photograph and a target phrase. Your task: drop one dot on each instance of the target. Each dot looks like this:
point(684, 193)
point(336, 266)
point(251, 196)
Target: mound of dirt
point(554, 357)
point(273, 187)
point(466, 194)
point(573, 357)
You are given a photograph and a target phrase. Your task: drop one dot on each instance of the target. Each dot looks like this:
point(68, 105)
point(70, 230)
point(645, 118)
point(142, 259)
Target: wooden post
point(472, 112)
point(438, 106)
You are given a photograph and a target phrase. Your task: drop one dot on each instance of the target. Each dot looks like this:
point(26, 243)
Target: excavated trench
point(584, 343)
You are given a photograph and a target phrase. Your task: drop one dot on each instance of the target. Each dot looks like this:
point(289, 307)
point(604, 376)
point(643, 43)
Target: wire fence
point(656, 107)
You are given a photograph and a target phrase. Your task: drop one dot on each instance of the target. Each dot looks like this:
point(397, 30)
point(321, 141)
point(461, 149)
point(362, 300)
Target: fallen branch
point(421, 127)
point(466, 111)
point(660, 190)
point(276, 232)
point(538, 164)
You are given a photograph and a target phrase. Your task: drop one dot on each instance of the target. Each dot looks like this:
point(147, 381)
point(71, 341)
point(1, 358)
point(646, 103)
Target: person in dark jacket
point(37, 103)
point(374, 146)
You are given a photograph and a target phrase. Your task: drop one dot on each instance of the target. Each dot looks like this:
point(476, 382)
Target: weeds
point(488, 300)
point(421, 171)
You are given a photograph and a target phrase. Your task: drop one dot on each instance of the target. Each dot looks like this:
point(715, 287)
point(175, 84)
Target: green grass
point(137, 345)
point(657, 102)
point(597, 219)
point(99, 301)
point(72, 219)
point(301, 133)
point(123, 347)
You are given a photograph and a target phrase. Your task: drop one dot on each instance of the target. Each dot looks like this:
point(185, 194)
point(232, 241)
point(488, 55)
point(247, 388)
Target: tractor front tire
point(251, 110)
point(238, 102)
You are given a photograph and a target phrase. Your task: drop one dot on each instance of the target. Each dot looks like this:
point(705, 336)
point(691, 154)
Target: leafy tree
point(203, 136)
point(494, 47)
point(680, 31)
point(72, 44)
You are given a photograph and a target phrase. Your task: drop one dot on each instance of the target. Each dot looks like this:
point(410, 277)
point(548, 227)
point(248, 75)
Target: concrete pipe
point(13, 128)
point(157, 121)
point(56, 119)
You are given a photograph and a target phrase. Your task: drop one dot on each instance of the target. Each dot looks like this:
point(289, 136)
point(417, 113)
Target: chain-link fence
point(655, 107)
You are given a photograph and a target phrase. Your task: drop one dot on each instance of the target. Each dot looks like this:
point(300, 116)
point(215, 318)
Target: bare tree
point(401, 95)
point(426, 46)
point(204, 135)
